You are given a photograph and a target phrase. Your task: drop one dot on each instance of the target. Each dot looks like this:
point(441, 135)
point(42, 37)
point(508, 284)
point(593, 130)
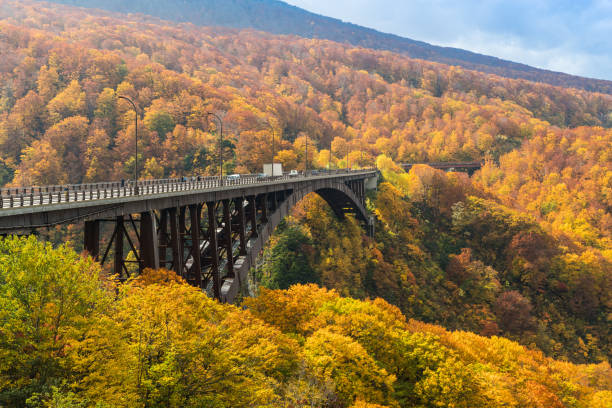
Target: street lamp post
point(220, 122)
point(361, 164)
point(348, 156)
point(306, 165)
point(272, 150)
point(135, 141)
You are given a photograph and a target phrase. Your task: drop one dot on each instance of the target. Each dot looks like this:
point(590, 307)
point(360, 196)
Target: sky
point(571, 36)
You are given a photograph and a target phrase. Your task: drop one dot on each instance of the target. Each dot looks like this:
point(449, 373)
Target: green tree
point(6, 172)
point(48, 299)
point(287, 259)
point(160, 122)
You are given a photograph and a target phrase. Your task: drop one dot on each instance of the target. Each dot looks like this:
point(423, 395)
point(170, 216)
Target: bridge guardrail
point(17, 197)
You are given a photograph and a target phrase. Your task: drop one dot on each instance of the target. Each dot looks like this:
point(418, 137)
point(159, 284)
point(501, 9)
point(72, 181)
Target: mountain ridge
point(278, 17)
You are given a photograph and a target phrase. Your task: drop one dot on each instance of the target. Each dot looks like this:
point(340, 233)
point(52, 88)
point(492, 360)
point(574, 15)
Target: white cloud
point(570, 36)
point(552, 58)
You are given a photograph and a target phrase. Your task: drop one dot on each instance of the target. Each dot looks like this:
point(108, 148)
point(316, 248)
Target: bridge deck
point(41, 206)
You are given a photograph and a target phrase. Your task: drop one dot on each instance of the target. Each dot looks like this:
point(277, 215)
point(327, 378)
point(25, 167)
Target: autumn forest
point(486, 290)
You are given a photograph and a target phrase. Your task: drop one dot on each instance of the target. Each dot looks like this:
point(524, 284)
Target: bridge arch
point(339, 196)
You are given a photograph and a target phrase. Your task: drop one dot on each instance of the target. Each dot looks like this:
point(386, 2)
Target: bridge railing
point(15, 197)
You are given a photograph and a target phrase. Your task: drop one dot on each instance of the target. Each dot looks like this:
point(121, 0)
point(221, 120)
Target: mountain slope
point(62, 69)
point(278, 17)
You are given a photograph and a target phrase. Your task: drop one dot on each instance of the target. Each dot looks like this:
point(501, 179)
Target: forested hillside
point(278, 17)
point(158, 342)
point(447, 250)
point(522, 250)
point(60, 120)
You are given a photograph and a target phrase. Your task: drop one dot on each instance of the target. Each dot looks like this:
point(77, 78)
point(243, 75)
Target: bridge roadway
point(163, 223)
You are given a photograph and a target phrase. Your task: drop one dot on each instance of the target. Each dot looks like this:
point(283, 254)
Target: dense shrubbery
point(70, 338)
point(446, 252)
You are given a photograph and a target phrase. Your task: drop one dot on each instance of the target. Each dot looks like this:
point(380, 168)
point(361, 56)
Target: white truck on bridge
point(273, 169)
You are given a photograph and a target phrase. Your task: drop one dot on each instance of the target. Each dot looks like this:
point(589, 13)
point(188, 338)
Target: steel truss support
point(241, 225)
point(176, 243)
point(149, 243)
point(253, 216)
point(272, 202)
point(227, 235)
point(212, 242)
point(363, 192)
point(196, 267)
point(206, 248)
point(92, 238)
point(182, 215)
point(264, 208)
point(119, 234)
point(164, 239)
